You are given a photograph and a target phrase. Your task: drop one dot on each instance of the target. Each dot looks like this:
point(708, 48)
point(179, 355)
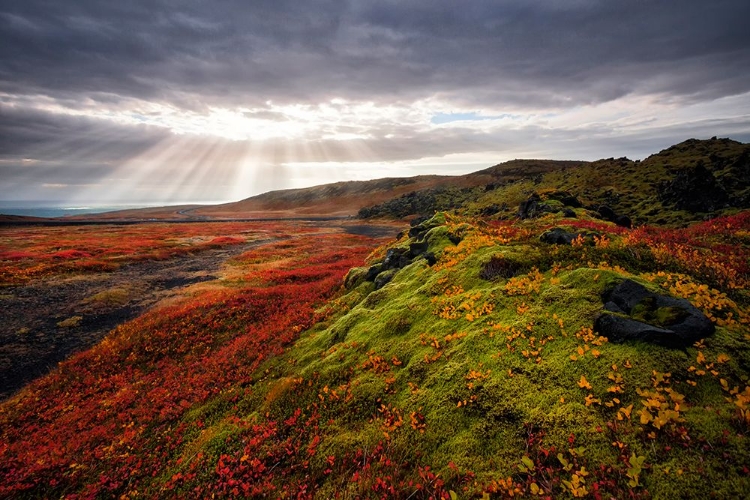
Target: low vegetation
point(457, 361)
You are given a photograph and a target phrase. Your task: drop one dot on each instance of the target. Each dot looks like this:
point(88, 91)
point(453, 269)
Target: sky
point(168, 102)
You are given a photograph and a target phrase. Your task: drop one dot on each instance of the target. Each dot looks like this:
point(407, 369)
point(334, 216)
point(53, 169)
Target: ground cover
point(474, 373)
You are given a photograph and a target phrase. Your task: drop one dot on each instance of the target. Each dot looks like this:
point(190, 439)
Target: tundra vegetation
point(460, 360)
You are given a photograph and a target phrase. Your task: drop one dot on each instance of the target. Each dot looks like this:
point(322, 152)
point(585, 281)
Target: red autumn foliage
point(112, 416)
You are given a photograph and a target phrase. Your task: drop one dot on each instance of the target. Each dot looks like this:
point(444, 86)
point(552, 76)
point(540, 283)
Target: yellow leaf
point(701, 359)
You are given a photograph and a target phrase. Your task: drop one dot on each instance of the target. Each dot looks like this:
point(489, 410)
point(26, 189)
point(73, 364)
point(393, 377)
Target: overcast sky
point(164, 101)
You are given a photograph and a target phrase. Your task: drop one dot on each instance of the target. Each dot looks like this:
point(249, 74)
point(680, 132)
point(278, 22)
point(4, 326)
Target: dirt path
point(46, 321)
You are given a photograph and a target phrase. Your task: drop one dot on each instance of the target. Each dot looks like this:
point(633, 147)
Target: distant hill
point(690, 181)
point(338, 199)
point(347, 198)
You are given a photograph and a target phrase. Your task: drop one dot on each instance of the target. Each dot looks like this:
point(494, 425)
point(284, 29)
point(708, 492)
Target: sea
point(46, 209)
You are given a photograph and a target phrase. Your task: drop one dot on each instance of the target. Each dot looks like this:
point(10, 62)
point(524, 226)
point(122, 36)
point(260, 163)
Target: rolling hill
point(477, 354)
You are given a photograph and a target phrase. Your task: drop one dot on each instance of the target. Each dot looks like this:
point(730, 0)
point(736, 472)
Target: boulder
point(553, 202)
point(568, 212)
point(632, 312)
point(430, 258)
point(532, 207)
point(694, 190)
point(560, 236)
point(418, 248)
point(384, 278)
point(396, 258)
point(623, 221)
point(373, 272)
point(610, 215)
point(565, 198)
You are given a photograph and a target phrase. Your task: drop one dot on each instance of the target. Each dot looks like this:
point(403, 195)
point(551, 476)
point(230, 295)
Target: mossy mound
point(481, 374)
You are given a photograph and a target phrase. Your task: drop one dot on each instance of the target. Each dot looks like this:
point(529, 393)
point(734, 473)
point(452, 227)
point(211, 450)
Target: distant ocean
point(33, 209)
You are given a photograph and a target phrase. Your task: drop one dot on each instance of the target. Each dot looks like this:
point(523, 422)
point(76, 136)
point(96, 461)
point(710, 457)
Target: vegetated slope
point(338, 199)
point(687, 182)
point(463, 359)
point(470, 188)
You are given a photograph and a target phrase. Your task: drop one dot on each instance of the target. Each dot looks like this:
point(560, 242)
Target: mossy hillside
point(474, 378)
point(633, 188)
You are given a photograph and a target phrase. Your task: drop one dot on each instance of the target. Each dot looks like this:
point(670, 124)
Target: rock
point(373, 272)
point(530, 208)
point(430, 257)
point(623, 221)
point(635, 313)
point(606, 213)
point(534, 206)
point(417, 248)
point(421, 225)
point(396, 258)
point(558, 236)
point(567, 212)
point(610, 215)
point(490, 210)
point(565, 198)
point(694, 190)
point(455, 238)
point(355, 276)
point(384, 278)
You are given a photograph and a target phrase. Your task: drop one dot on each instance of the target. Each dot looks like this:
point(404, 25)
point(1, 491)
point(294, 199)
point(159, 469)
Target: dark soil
point(39, 326)
point(34, 334)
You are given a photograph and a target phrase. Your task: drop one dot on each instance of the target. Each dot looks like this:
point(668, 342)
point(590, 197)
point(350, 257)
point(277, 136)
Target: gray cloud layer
point(513, 52)
point(518, 55)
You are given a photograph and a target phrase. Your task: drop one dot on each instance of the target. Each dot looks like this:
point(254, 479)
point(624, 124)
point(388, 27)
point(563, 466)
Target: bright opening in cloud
point(136, 102)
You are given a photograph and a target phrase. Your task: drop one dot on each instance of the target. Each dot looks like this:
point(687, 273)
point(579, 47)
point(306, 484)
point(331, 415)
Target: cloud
point(95, 93)
point(516, 53)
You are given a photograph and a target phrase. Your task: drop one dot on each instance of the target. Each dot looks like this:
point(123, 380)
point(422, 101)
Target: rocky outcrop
point(553, 202)
point(561, 236)
point(400, 257)
point(608, 214)
point(694, 190)
point(632, 312)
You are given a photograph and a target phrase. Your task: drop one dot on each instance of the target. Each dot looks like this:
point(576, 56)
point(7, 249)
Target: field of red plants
point(38, 252)
point(251, 387)
point(114, 415)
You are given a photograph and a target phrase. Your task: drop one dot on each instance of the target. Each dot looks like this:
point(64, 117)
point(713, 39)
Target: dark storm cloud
point(29, 133)
point(517, 53)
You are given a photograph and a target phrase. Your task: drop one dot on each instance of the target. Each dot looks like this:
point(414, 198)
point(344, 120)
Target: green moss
point(507, 382)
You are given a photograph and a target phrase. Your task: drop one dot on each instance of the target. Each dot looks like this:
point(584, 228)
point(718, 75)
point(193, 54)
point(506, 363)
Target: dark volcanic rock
point(384, 278)
point(694, 190)
point(565, 198)
point(417, 248)
point(558, 236)
point(396, 258)
point(623, 221)
point(606, 213)
point(532, 207)
point(634, 313)
point(490, 210)
point(430, 257)
point(610, 215)
point(373, 272)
